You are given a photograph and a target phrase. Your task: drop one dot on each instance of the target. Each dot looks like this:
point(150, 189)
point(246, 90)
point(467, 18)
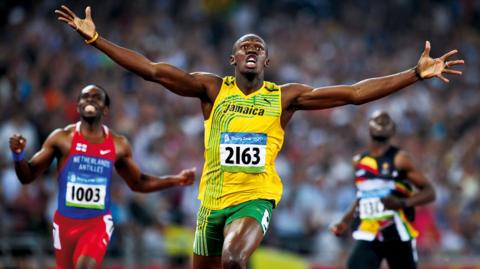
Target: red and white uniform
point(83, 224)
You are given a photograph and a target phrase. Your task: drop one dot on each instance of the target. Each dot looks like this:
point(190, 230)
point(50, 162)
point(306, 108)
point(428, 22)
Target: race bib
point(86, 192)
point(373, 209)
point(243, 152)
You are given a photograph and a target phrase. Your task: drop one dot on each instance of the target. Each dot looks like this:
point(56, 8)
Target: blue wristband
point(18, 156)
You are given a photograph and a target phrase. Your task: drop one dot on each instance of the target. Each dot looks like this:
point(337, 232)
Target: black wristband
point(417, 73)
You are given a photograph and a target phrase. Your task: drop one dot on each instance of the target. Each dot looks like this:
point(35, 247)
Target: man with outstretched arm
point(86, 153)
point(245, 117)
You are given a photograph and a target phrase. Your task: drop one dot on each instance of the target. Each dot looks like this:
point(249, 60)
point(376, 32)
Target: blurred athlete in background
point(389, 186)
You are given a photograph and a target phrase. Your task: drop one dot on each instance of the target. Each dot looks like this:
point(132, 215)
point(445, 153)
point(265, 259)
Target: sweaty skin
point(250, 59)
point(92, 109)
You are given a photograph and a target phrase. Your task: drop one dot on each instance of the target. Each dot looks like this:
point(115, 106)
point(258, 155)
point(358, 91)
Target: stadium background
point(44, 64)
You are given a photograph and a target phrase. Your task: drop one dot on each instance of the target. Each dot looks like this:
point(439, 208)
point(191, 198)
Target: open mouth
point(90, 109)
point(251, 61)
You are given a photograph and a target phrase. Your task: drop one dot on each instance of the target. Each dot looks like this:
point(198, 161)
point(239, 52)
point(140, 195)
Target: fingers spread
point(440, 76)
point(455, 62)
point(69, 22)
point(88, 13)
point(64, 20)
point(426, 51)
point(448, 54)
point(67, 10)
point(62, 14)
point(451, 71)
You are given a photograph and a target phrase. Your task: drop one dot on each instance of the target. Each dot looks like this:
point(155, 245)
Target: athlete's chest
point(374, 168)
point(87, 172)
point(84, 155)
point(246, 112)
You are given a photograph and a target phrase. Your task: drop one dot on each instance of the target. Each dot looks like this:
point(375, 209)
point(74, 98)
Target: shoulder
point(60, 138)
point(207, 79)
point(211, 83)
point(272, 87)
point(403, 159)
point(356, 159)
point(206, 75)
point(295, 88)
point(119, 139)
point(292, 94)
point(122, 145)
point(62, 133)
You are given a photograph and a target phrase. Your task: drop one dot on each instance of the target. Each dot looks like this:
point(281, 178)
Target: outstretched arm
point(341, 227)
point(28, 171)
point(171, 77)
point(304, 97)
point(140, 182)
point(425, 194)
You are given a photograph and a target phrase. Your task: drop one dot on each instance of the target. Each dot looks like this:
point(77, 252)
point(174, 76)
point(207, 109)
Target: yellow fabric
point(264, 258)
point(233, 111)
point(410, 229)
point(370, 226)
point(178, 240)
point(369, 162)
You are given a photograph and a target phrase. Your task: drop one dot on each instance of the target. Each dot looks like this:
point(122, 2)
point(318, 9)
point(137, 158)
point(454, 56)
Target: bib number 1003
point(242, 155)
point(86, 196)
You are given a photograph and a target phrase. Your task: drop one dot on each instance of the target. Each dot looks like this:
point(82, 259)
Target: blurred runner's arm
point(341, 227)
point(140, 182)
point(426, 192)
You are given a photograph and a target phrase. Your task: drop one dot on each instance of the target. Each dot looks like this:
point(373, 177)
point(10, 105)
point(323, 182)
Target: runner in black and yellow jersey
point(385, 178)
point(245, 118)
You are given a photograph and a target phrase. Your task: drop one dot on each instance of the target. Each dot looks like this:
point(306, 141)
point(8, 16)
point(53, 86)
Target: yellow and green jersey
point(242, 139)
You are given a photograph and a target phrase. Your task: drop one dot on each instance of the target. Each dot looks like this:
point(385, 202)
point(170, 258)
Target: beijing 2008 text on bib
point(243, 136)
point(243, 152)
point(86, 192)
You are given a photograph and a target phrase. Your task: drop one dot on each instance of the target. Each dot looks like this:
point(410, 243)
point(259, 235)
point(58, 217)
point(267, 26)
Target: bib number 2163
point(245, 155)
point(243, 152)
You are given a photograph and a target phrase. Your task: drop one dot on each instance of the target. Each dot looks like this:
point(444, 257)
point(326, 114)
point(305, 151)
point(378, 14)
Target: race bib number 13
point(243, 152)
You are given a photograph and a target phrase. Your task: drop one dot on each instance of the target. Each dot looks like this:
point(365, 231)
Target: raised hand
point(17, 143)
point(339, 228)
point(428, 67)
point(85, 27)
point(186, 177)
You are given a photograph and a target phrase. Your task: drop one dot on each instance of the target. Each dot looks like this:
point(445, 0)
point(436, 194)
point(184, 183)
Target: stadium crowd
point(43, 64)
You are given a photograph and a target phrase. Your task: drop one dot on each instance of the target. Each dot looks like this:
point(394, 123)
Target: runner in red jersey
point(86, 154)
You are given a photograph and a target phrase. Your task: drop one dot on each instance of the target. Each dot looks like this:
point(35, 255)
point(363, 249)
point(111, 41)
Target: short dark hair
point(107, 97)
point(247, 37)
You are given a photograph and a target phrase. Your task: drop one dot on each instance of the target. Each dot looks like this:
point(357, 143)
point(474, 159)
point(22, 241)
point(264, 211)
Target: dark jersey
point(377, 177)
